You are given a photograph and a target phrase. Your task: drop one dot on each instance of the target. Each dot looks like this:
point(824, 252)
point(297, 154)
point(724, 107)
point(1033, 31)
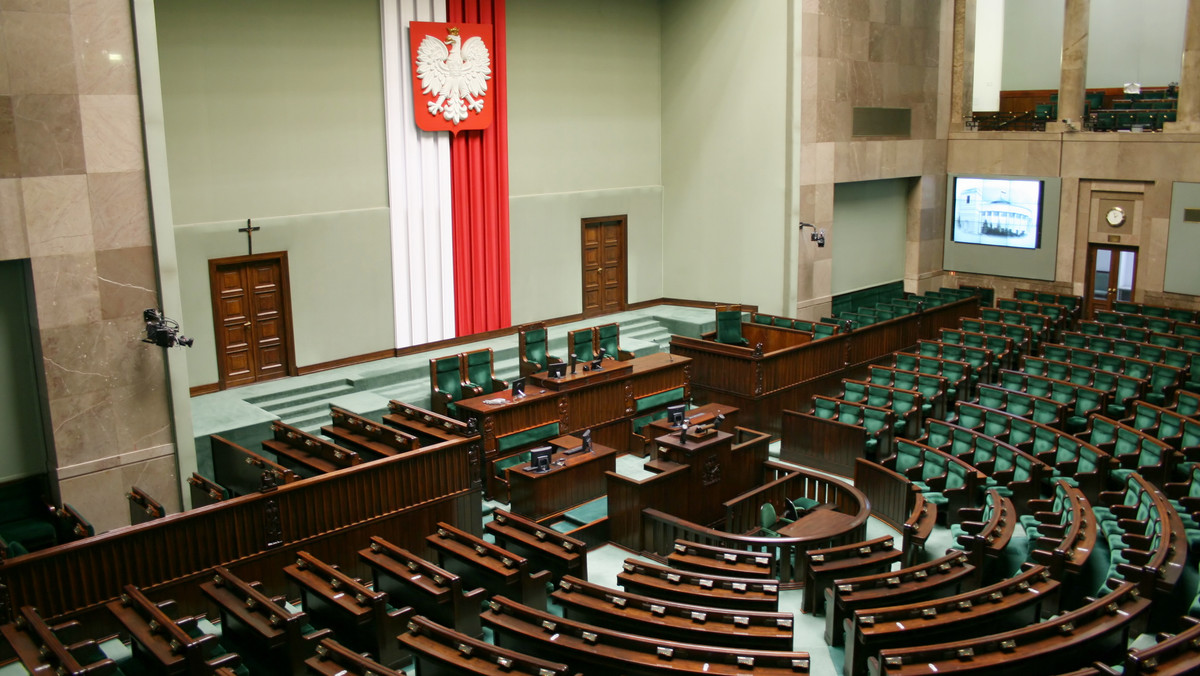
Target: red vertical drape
point(479, 175)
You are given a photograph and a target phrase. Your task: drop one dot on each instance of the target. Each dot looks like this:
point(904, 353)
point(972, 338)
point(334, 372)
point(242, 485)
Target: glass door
point(1111, 274)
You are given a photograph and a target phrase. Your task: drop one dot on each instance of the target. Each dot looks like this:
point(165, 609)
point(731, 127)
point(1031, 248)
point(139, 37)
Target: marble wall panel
point(14, 243)
point(112, 133)
point(151, 426)
point(84, 431)
point(46, 6)
point(40, 53)
point(57, 215)
point(158, 477)
point(103, 45)
point(66, 290)
point(49, 134)
point(127, 282)
point(99, 495)
point(5, 87)
point(77, 360)
point(10, 162)
point(120, 213)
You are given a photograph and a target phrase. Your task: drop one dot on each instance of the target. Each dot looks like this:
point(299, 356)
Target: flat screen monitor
point(1003, 212)
point(518, 387)
point(557, 370)
point(675, 413)
point(539, 459)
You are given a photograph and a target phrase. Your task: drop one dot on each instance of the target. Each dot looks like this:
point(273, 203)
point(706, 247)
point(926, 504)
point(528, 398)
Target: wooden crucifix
point(249, 230)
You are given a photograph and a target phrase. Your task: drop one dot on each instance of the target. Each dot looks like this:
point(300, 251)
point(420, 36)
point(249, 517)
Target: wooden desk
point(818, 523)
point(697, 416)
point(707, 492)
point(603, 401)
point(571, 480)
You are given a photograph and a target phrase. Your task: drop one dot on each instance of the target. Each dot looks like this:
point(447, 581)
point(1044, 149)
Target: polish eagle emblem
point(456, 73)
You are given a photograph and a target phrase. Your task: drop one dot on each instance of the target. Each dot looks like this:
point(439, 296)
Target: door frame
point(623, 223)
point(285, 289)
point(1090, 272)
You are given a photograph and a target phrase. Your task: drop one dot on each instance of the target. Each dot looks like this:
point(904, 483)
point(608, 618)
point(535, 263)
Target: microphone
point(573, 360)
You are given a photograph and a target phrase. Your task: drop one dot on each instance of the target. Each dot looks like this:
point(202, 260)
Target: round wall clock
point(1115, 217)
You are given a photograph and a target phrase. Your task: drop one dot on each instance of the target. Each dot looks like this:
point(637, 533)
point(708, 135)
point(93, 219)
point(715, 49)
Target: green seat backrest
point(1151, 453)
point(479, 370)
point(822, 331)
point(1044, 412)
point(952, 336)
point(761, 319)
point(879, 396)
point(985, 451)
point(1044, 439)
point(1092, 329)
point(729, 328)
point(970, 417)
point(1187, 403)
point(1020, 431)
point(907, 456)
point(1022, 468)
point(449, 377)
point(1190, 435)
point(1103, 432)
point(1022, 294)
point(1144, 417)
point(963, 443)
point(825, 408)
point(908, 362)
point(1056, 352)
point(903, 402)
point(956, 476)
point(938, 434)
point(503, 464)
point(995, 424)
point(1066, 450)
point(849, 414)
point(852, 391)
point(1163, 378)
point(992, 397)
point(581, 341)
point(609, 337)
point(1063, 393)
point(880, 376)
point(1088, 461)
point(1074, 340)
point(875, 421)
point(1088, 400)
point(535, 348)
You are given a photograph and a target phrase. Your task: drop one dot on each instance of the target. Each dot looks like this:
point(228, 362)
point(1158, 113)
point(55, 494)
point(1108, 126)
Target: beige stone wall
point(875, 53)
point(1143, 165)
point(73, 200)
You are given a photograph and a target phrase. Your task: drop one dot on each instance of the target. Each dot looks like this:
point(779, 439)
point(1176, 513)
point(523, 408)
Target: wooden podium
point(710, 481)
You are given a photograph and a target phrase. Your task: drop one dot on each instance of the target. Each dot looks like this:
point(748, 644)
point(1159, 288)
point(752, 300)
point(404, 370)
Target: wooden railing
point(85, 574)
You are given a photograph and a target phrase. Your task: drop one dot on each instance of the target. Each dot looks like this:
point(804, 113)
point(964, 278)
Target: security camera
point(820, 238)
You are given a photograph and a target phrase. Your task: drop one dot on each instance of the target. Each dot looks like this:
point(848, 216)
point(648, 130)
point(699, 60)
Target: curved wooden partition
point(789, 367)
point(659, 529)
point(332, 516)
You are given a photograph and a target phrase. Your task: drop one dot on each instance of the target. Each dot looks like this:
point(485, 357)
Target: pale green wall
point(1135, 42)
point(584, 141)
point(20, 403)
point(1033, 32)
point(1182, 273)
point(274, 111)
point(870, 224)
point(725, 98)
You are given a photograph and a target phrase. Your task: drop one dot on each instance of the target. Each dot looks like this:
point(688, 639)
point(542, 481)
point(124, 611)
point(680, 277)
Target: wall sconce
point(817, 236)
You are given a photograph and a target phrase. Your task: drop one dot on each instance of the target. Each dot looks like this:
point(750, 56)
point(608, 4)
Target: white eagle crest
point(458, 76)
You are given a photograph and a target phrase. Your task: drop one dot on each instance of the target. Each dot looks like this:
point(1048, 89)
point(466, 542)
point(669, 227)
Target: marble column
point(73, 202)
point(1072, 83)
point(1187, 118)
point(963, 77)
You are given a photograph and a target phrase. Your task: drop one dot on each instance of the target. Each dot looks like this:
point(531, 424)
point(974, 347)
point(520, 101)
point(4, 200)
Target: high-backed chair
point(480, 375)
point(533, 348)
point(608, 338)
point(729, 325)
point(581, 343)
point(446, 384)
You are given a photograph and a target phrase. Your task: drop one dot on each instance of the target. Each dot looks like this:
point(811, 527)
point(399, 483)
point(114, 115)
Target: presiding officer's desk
point(573, 479)
point(603, 400)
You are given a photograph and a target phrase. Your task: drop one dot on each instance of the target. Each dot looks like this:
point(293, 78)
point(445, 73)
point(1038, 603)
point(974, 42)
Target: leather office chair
point(480, 376)
point(729, 325)
point(581, 344)
point(445, 384)
point(608, 337)
point(532, 346)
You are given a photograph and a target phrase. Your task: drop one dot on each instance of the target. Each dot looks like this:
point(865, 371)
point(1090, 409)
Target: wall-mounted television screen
point(997, 212)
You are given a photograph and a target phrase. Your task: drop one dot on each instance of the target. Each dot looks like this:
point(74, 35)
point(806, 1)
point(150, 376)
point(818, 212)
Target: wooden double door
point(604, 286)
point(1112, 273)
point(252, 318)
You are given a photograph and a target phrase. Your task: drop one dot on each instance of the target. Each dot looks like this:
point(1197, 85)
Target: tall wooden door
point(1112, 271)
point(251, 313)
point(604, 286)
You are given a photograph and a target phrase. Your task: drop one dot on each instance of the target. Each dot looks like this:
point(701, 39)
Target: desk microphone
point(573, 360)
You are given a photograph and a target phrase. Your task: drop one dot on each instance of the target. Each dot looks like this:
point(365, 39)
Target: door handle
point(247, 323)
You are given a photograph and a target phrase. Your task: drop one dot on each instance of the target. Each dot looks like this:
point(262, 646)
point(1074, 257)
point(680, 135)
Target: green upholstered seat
point(608, 338)
point(729, 327)
point(517, 460)
point(660, 399)
point(480, 373)
point(769, 521)
point(580, 344)
point(534, 351)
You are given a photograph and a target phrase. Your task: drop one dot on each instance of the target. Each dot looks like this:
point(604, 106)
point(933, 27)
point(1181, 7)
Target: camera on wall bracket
point(163, 331)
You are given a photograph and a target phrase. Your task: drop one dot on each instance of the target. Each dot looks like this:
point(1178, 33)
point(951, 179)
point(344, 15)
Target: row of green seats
point(981, 360)
point(818, 329)
point(1118, 331)
point(1075, 303)
point(1176, 429)
point(1176, 313)
point(956, 373)
point(1037, 324)
point(1008, 469)
point(1132, 450)
point(1121, 347)
point(944, 480)
point(1004, 352)
point(906, 404)
point(1122, 389)
point(1162, 379)
point(932, 387)
point(1038, 409)
point(1023, 339)
point(878, 423)
point(1152, 323)
point(1060, 314)
point(1081, 401)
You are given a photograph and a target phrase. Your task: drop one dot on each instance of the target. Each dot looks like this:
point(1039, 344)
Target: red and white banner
point(452, 75)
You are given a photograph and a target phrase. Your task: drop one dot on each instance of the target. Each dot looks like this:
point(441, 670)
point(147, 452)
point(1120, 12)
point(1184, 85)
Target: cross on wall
point(249, 230)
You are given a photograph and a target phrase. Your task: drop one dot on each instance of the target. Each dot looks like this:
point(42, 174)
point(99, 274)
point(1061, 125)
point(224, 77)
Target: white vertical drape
point(418, 190)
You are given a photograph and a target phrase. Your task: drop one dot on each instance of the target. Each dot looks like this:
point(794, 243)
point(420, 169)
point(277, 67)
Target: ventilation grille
point(1191, 215)
point(882, 122)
